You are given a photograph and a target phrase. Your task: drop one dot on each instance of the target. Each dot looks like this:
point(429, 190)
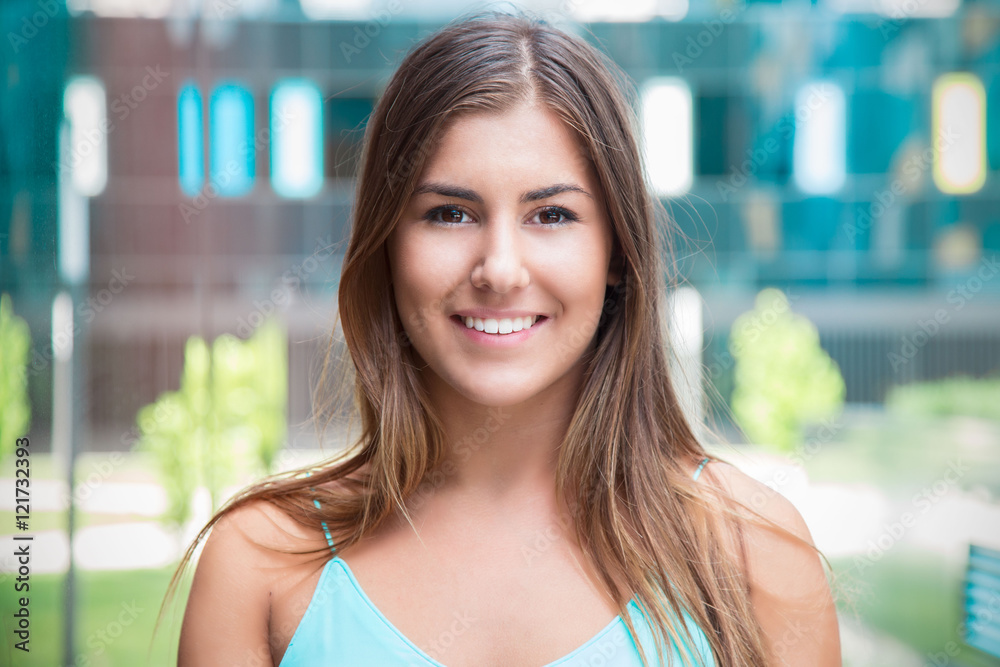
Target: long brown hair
point(652, 533)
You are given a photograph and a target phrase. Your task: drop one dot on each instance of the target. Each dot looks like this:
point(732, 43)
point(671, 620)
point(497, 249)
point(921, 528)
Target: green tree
point(15, 346)
point(230, 412)
point(783, 378)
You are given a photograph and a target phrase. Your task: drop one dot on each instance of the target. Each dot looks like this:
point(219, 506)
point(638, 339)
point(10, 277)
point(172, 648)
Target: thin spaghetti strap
point(701, 466)
point(326, 529)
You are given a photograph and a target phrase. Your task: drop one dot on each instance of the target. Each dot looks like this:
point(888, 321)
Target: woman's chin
point(499, 393)
point(494, 398)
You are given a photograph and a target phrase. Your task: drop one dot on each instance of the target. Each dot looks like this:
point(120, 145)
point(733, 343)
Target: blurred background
point(175, 187)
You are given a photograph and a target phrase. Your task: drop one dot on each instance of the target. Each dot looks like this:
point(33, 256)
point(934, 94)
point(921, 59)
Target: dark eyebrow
point(472, 195)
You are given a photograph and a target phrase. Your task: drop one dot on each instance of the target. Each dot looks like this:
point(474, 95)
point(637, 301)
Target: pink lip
point(497, 340)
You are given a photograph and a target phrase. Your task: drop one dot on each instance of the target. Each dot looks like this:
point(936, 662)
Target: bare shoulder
point(226, 620)
point(757, 496)
point(788, 583)
point(774, 552)
point(256, 535)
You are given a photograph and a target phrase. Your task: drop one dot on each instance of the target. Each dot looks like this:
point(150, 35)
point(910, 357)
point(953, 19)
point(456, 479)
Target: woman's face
point(507, 221)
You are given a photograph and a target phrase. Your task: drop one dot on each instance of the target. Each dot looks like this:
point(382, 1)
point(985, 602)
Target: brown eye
point(555, 216)
point(445, 215)
point(451, 215)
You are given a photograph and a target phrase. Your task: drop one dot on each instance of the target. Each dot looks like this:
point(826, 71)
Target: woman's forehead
point(529, 139)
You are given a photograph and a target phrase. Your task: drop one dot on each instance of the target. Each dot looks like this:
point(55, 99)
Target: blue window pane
point(710, 140)
point(880, 122)
point(993, 122)
point(296, 139)
point(190, 149)
point(811, 224)
point(343, 129)
point(233, 148)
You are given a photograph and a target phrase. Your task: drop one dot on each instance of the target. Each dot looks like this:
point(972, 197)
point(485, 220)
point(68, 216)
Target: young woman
point(525, 489)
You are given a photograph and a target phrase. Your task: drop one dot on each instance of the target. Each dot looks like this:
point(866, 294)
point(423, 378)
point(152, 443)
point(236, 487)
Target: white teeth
point(502, 326)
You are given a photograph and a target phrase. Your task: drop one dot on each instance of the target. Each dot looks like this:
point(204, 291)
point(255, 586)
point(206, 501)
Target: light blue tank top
point(341, 626)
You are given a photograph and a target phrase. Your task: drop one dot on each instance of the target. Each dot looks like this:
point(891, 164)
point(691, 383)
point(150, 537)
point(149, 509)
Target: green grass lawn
point(913, 596)
point(116, 614)
point(886, 595)
point(902, 454)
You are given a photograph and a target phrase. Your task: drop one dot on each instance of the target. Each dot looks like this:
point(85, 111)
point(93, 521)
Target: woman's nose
point(501, 263)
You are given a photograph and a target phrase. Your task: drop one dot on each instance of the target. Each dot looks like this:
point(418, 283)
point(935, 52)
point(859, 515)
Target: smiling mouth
point(499, 326)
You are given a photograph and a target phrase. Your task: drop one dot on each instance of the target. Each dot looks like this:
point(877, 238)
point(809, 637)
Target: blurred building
point(188, 166)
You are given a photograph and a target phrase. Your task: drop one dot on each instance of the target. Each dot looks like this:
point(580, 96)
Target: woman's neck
point(492, 452)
